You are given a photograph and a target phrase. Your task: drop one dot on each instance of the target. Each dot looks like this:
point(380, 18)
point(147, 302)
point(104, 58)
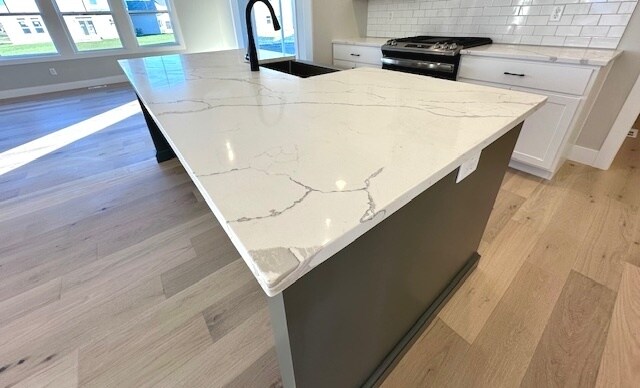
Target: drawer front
point(340, 64)
point(552, 77)
point(362, 54)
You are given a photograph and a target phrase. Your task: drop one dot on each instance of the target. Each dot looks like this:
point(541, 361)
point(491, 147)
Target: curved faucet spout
point(253, 54)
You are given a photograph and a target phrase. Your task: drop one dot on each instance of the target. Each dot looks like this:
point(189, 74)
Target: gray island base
point(347, 322)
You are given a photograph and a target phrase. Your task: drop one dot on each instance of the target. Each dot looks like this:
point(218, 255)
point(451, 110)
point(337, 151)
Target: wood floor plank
point(571, 347)
point(159, 321)
point(519, 183)
point(503, 349)
point(227, 314)
point(261, 374)
point(36, 340)
point(620, 365)
point(428, 362)
point(607, 243)
point(61, 374)
point(220, 252)
point(223, 362)
point(145, 363)
point(506, 205)
point(471, 306)
point(22, 304)
point(559, 244)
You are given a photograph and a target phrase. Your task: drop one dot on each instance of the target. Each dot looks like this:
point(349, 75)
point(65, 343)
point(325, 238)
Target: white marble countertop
point(296, 169)
point(568, 55)
point(371, 42)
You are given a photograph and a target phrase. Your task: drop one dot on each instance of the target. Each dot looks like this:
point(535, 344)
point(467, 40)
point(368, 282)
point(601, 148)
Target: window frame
point(65, 46)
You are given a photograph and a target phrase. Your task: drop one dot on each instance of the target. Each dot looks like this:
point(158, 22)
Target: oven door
point(438, 66)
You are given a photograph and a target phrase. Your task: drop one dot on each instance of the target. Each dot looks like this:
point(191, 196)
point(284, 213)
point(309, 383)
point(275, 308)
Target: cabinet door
point(544, 131)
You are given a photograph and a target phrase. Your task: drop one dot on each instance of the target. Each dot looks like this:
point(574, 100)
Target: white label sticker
point(469, 166)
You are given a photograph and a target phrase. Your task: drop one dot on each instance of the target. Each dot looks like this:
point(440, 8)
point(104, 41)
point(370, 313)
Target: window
point(90, 24)
point(17, 37)
point(37, 25)
point(151, 21)
point(282, 41)
point(69, 28)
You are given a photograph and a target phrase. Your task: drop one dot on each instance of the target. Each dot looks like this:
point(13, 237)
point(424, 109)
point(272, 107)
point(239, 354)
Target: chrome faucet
point(253, 55)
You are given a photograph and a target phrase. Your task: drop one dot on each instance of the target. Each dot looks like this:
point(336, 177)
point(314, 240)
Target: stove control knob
point(453, 46)
point(445, 46)
point(392, 42)
point(437, 46)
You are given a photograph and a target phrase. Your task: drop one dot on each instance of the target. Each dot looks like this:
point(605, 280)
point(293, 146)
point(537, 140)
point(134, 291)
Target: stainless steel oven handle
point(414, 64)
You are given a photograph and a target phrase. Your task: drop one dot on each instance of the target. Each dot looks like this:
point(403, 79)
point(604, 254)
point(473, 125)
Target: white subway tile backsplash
point(553, 40)
point(585, 23)
point(531, 39)
point(614, 20)
point(595, 31)
point(604, 42)
point(627, 7)
point(569, 31)
point(545, 30)
point(577, 9)
point(530, 10)
point(586, 20)
point(577, 42)
point(537, 20)
point(616, 32)
point(604, 8)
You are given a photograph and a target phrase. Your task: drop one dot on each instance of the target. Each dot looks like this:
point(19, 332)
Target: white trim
point(529, 169)
point(13, 93)
point(583, 155)
point(304, 29)
point(627, 116)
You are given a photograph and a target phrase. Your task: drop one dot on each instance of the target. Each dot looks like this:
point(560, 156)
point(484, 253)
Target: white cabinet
point(547, 134)
point(543, 132)
point(347, 56)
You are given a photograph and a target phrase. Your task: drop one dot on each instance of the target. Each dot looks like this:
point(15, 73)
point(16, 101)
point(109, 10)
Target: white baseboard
point(13, 93)
point(583, 155)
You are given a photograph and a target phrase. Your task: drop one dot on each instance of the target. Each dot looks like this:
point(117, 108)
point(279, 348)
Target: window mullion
point(123, 24)
point(56, 27)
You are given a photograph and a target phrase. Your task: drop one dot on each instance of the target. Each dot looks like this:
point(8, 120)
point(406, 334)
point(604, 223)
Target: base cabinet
point(544, 131)
point(548, 134)
point(347, 56)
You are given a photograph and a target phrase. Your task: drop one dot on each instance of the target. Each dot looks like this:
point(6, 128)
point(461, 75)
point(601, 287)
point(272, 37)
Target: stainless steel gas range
point(435, 56)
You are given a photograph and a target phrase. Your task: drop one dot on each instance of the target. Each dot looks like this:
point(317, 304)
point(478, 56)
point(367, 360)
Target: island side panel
point(163, 149)
point(349, 318)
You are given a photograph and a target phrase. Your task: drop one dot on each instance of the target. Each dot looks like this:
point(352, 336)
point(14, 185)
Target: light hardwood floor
point(114, 273)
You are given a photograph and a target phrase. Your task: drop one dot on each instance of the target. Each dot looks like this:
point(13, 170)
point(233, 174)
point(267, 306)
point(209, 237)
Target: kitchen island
point(357, 198)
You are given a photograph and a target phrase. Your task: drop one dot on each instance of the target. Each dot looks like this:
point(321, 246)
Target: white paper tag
point(469, 166)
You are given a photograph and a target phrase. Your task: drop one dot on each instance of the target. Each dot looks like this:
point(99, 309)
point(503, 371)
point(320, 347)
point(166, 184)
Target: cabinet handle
point(516, 74)
point(355, 55)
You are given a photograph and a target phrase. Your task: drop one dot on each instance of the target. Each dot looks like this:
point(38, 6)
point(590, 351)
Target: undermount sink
point(299, 68)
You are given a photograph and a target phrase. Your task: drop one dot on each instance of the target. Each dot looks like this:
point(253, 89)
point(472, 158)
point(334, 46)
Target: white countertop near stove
point(296, 169)
point(371, 42)
point(568, 55)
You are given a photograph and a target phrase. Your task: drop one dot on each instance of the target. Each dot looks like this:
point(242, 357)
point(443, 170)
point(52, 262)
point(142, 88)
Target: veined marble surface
point(296, 169)
point(570, 55)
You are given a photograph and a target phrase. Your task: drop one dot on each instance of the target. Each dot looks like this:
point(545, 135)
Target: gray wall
point(617, 87)
point(334, 19)
point(205, 24)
